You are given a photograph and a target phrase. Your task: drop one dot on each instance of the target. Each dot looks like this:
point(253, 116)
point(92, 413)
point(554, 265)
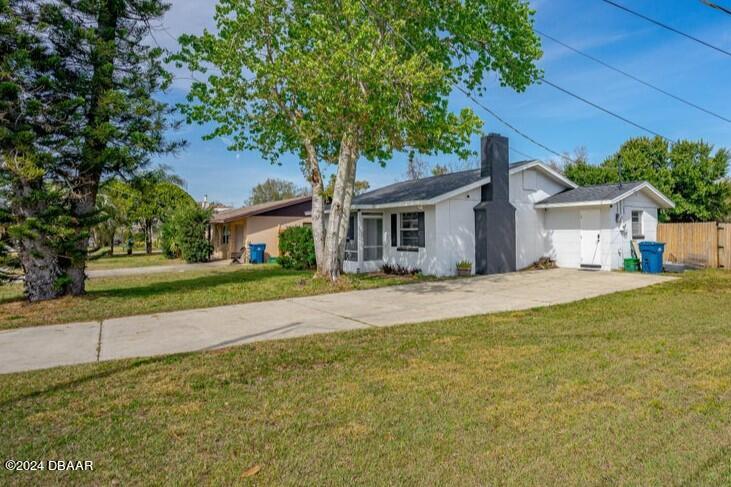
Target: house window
point(411, 230)
point(225, 235)
point(637, 230)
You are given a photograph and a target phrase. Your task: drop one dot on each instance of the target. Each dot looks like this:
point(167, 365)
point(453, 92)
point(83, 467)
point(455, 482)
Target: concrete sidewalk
point(207, 329)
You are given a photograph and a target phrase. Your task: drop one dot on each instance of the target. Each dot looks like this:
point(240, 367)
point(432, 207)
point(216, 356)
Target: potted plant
point(464, 268)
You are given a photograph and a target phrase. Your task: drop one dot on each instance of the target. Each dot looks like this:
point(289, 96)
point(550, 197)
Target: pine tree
point(91, 75)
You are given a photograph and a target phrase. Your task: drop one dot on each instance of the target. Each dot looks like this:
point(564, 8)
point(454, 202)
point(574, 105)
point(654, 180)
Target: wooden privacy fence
point(706, 244)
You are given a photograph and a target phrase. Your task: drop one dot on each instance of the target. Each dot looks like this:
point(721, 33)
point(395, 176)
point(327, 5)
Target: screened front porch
point(371, 242)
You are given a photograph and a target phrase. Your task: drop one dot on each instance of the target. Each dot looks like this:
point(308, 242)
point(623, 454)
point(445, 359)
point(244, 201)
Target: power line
point(632, 77)
point(665, 26)
point(598, 107)
point(716, 6)
point(505, 122)
point(520, 153)
point(465, 92)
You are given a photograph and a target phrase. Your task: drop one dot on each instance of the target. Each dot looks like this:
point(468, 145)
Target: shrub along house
point(501, 218)
point(231, 230)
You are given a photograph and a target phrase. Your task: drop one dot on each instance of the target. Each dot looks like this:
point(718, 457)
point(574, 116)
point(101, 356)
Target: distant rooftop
point(226, 216)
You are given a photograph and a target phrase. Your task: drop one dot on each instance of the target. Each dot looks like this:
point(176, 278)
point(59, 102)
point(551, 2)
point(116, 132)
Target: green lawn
point(631, 389)
point(169, 291)
point(118, 261)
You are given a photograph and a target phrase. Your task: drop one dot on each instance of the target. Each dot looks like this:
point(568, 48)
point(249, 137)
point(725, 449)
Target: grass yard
point(170, 291)
point(118, 261)
point(631, 389)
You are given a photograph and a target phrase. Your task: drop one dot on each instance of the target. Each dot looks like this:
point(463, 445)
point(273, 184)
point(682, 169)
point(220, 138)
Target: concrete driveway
point(212, 328)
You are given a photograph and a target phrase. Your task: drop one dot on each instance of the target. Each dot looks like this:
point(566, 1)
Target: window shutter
point(394, 230)
point(422, 237)
point(353, 229)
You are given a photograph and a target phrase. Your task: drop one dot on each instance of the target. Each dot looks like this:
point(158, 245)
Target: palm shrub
point(184, 234)
point(297, 248)
point(168, 241)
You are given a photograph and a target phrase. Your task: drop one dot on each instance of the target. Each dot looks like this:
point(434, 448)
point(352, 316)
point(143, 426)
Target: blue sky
point(672, 62)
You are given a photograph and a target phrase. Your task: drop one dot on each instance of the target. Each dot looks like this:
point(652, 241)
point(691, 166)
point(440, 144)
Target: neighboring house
point(233, 229)
point(500, 217)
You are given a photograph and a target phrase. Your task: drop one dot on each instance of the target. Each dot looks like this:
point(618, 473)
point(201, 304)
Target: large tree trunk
point(84, 207)
point(347, 201)
point(148, 236)
point(314, 176)
point(41, 267)
point(38, 256)
point(339, 209)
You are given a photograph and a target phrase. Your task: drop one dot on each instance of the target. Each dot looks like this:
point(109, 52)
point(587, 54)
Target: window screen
point(412, 229)
point(637, 231)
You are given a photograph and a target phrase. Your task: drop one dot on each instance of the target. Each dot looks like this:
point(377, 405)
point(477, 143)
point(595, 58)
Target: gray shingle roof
point(419, 189)
point(584, 194)
point(422, 189)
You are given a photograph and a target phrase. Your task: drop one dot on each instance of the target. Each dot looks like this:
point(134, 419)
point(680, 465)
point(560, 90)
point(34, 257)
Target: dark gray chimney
point(494, 215)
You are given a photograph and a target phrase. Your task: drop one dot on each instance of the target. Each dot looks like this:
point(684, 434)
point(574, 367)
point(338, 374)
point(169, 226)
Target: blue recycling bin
point(256, 253)
point(652, 256)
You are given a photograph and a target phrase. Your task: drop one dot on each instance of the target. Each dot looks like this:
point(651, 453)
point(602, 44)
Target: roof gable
point(604, 194)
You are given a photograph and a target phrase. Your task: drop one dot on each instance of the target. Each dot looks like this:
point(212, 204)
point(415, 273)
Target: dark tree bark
point(85, 193)
point(38, 254)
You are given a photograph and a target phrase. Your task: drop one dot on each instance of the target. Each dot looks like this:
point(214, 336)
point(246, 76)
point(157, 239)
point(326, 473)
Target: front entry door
point(372, 238)
point(590, 236)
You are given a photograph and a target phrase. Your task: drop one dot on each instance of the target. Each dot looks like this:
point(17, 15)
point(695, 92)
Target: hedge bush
point(184, 234)
point(297, 248)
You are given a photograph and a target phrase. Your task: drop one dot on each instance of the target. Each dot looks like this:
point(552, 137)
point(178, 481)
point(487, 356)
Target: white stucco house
point(501, 218)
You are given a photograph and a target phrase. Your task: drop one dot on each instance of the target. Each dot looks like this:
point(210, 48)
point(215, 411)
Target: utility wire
point(598, 107)
point(716, 6)
point(520, 153)
point(665, 26)
point(505, 122)
point(464, 91)
point(632, 77)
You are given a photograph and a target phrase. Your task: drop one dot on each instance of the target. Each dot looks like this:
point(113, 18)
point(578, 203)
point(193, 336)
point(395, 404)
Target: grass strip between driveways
point(170, 291)
point(631, 388)
point(120, 261)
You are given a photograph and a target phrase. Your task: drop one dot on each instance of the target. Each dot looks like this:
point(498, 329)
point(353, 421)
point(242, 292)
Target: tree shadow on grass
point(194, 284)
point(98, 373)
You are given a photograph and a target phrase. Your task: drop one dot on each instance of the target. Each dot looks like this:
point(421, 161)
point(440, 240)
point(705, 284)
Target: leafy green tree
point(184, 234)
point(275, 190)
point(154, 196)
point(114, 203)
point(688, 172)
point(336, 82)
point(79, 77)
